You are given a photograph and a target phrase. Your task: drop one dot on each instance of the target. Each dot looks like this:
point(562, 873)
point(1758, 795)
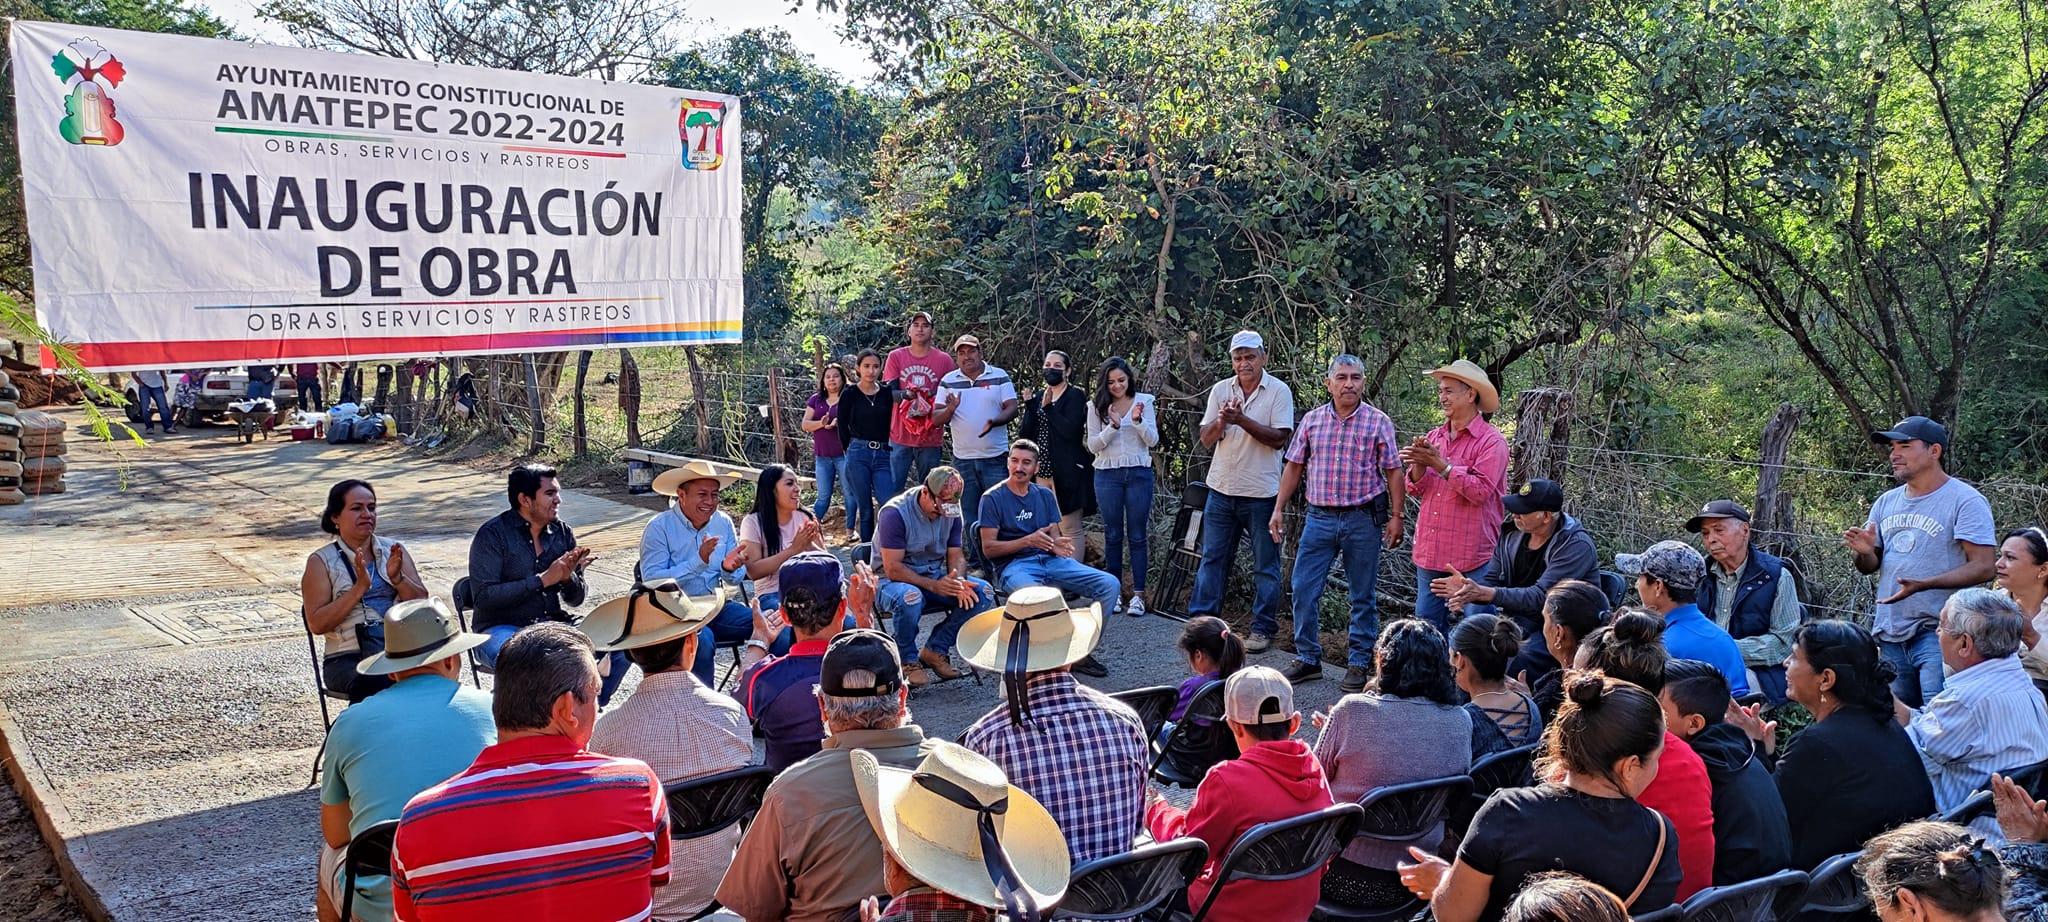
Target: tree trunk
point(403, 410)
point(784, 449)
point(629, 396)
point(1542, 435)
point(1773, 516)
point(697, 396)
point(580, 439)
point(537, 413)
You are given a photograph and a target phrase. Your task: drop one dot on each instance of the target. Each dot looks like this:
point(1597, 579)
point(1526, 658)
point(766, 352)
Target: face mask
point(950, 510)
point(1053, 376)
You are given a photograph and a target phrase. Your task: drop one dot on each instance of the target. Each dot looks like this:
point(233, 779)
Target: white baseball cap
point(1246, 339)
point(1258, 695)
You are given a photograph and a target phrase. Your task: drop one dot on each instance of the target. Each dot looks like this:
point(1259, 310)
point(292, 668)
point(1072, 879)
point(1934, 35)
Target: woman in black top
point(864, 423)
point(1057, 419)
point(1572, 609)
point(1599, 755)
point(1853, 773)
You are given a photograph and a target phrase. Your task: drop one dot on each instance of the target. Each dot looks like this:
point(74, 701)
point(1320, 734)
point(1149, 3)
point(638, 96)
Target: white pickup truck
point(223, 386)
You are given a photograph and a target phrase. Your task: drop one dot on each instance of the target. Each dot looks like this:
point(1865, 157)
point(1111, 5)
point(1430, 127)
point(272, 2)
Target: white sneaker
point(1135, 607)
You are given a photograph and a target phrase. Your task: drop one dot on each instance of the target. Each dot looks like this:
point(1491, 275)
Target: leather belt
point(1340, 510)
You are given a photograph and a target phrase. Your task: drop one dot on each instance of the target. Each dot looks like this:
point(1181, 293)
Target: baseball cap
point(815, 571)
point(916, 316)
point(967, 339)
point(1718, 509)
point(1673, 563)
point(1913, 427)
point(1246, 339)
point(1535, 496)
point(1258, 695)
point(860, 650)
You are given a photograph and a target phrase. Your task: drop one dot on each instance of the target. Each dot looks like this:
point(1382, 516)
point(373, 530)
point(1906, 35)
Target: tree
point(612, 39)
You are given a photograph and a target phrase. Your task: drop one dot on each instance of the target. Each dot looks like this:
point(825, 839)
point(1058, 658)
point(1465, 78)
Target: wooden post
point(403, 411)
point(580, 439)
point(1773, 514)
point(537, 414)
point(1543, 429)
point(784, 450)
point(697, 395)
point(629, 396)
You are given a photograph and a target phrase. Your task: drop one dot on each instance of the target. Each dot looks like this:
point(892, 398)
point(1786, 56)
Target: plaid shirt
point(1344, 458)
point(922, 905)
point(1081, 754)
point(1459, 523)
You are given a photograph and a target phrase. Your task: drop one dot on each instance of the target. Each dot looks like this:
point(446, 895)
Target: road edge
point(52, 820)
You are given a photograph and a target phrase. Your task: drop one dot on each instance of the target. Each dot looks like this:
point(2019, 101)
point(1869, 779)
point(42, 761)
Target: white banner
point(194, 202)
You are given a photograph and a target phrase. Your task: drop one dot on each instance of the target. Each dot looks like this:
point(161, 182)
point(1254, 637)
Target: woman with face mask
point(1057, 419)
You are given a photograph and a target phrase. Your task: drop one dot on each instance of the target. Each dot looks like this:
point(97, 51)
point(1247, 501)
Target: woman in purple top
point(821, 420)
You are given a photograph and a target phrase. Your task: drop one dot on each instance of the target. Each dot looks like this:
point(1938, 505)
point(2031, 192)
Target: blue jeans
point(1224, 518)
point(732, 624)
point(1323, 536)
point(1069, 576)
point(867, 478)
point(261, 389)
point(147, 396)
point(1918, 664)
point(905, 462)
point(1438, 612)
point(977, 475)
point(486, 655)
point(905, 605)
point(309, 394)
point(1124, 496)
point(827, 472)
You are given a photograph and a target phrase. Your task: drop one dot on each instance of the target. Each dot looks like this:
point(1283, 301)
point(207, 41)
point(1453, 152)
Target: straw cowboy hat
point(417, 633)
point(671, 481)
point(649, 615)
point(1473, 375)
point(1053, 633)
point(958, 824)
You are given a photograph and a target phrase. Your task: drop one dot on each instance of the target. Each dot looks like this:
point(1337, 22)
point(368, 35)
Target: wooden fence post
point(629, 396)
point(1773, 523)
point(697, 395)
point(783, 450)
point(1543, 431)
point(580, 438)
point(538, 416)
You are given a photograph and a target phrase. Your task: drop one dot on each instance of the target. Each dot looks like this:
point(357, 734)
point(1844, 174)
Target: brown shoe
point(939, 663)
point(916, 676)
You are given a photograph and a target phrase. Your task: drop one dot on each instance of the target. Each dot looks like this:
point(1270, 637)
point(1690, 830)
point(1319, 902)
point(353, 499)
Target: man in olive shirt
point(811, 855)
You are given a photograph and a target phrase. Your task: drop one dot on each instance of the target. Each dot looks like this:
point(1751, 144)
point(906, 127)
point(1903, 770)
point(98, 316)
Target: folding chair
point(1132, 884)
point(1765, 899)
point(700, 807)
point(1509, 769)
point(1614, 586)
point(1398, 814)
point(368, 855)
point(464, 596)
point(324, 693)
point(1153, 703)
point(1836, 888)
point(1198, 741)
point(1175, 587)
point(1285, 849)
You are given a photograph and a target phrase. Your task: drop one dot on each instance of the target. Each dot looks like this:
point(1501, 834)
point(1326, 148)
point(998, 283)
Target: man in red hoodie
point(1274, 777)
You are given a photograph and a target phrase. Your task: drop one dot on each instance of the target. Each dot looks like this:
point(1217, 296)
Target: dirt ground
point(30, 890)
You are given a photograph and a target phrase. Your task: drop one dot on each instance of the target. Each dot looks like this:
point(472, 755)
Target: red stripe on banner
point(199, 353)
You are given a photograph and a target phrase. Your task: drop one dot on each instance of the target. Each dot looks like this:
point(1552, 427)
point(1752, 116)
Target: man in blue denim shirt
point(525, 567)
point(695, 544)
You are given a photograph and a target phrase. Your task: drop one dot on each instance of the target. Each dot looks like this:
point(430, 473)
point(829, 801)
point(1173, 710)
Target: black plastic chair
point(1765, 899)
point(1173, 591)
point(1511, 768)
point(1153, 704)
point(1615, 587)
point(323, 693)
point(1198, 741)
point(1132, 884)
point(1285, 849)
point(1397, 814)
point(1835, 888)
point(464, 597)
point(702, 806)
point(368, 855)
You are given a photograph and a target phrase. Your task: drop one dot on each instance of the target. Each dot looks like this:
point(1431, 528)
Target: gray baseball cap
point(1673, 563)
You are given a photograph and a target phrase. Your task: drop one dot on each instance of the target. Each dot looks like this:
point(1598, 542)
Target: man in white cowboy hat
point(1249, 421)
point(811, 855)
point(1459, 470)
point(401, 741)
point(960, 842)
point(1275, 777)
point(677, 725)
point(695, 544)
point(1079, 751)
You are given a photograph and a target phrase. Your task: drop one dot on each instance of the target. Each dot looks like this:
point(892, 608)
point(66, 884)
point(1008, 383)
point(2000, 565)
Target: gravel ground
point(30, 890)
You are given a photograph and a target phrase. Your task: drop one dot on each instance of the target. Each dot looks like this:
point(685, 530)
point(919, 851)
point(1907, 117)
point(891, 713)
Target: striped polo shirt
point(535, 828)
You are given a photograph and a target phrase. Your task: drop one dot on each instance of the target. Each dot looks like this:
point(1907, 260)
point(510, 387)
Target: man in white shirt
point(1249, 420)
point(151, 390)
point(978, 401)
point(1988, 717)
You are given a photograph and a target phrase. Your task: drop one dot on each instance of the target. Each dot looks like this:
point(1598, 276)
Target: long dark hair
point(1102, 397)
point(845, 380)
point(1577, 606)
point(337, 500)
point(1209, 636)
point(1863, 679)
point(1603, 721)
point(1488, 642)
point(1413, 663)
point(766, 511)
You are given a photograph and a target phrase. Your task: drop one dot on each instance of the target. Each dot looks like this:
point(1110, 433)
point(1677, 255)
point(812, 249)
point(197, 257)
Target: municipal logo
point(90, 70)
point(703, 129)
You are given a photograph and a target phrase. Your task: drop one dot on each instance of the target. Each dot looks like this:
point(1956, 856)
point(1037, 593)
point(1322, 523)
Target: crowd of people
point(1659, 767)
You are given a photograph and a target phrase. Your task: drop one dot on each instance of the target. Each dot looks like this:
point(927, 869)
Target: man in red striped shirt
point(538, 827)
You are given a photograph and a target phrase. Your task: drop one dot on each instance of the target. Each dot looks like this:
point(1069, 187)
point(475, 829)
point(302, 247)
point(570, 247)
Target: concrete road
point(156, 687)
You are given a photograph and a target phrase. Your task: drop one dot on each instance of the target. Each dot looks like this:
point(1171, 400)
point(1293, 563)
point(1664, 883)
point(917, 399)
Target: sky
point(812, 31)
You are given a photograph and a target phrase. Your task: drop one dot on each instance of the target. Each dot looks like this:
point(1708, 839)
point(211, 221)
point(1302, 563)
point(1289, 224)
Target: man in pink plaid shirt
point(1459, 469)
point(1347, 452)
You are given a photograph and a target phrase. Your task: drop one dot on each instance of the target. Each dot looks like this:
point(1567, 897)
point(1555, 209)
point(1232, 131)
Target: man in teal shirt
point(421, 731)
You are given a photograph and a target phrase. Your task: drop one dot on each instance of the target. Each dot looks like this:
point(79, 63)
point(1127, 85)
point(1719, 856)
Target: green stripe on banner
point(224, 129)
